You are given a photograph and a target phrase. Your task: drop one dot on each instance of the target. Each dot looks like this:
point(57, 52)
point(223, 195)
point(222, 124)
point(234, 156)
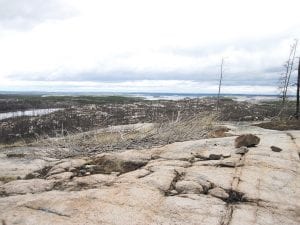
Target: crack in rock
point(172, 189)
point(228, 195)
point(229, 164)
point(145, 175)
point(211, 157)
point(293, 140)
point(235, 197)
point(47, 211)
point(226, 219)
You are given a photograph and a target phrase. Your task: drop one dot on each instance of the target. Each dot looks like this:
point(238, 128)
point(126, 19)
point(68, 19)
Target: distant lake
point(156, 95)
point(169, 96)
point(176, 96)
point(32, 112)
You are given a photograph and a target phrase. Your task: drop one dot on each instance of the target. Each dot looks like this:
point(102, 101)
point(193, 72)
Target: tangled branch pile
point(136, 136)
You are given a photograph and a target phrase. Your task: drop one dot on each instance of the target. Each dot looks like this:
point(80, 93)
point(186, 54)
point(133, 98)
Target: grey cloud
point(25, 14)
point(234, 79)
point(241, 73)
point(273, 69)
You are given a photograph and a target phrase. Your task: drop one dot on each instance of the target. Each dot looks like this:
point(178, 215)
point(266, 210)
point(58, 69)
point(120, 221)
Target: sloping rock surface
point(195, 182)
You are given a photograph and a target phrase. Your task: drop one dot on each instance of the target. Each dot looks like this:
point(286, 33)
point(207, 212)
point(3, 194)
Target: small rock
point(215, 156)
point(173, 192)
point(218, 193)
point(276, 149)
point(206, 185)
point(227, 164)
point(247, 140)
point(15, 155)
point(89, 166)
point(242, 150)
point(188, 187)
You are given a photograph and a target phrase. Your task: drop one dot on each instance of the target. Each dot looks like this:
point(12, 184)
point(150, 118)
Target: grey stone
point(242, 150)
point(218, 193)
point(276, 149)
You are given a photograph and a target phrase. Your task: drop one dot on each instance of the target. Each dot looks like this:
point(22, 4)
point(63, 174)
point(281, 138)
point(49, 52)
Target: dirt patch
point(281, 125)
point(7, 179)
point(219, 132)
point(235, 197)
point(109, 164)
point(42, 173)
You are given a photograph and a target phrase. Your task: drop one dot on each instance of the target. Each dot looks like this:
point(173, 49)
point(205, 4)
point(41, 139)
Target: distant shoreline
point(152, 96)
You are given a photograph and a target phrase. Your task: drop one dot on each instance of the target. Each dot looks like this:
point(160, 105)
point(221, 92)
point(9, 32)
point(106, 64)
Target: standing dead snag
point(298, 87)
point(220, 83)
point(286, 76)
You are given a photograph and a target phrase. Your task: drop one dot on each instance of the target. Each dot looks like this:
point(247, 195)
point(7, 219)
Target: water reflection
point(33, 112)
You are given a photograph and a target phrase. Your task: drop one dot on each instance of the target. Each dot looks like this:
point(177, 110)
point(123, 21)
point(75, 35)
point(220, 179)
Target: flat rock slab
point(175, 184)
point(15, 168)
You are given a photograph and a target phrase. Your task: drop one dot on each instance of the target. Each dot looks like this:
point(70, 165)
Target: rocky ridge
point(207, 181)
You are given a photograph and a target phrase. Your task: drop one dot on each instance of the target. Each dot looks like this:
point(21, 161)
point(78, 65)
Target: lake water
point(170, 96)
point(173, 96)
point(33, 112)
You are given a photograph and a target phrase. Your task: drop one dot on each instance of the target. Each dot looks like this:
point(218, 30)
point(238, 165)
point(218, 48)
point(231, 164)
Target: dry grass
point(7, 179)
point(15, 144)
point(281, 124)
point(186, 128)
point(138, 136)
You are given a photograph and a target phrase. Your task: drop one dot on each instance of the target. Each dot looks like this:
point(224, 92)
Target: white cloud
point(24, 14)
point(136, 40)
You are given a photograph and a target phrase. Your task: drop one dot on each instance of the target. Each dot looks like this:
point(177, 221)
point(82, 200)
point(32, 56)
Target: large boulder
point(247, 140)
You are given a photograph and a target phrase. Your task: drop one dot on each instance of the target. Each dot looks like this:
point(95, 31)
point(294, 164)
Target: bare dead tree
point(220, 82)
point(298, 90)
point(286, 76)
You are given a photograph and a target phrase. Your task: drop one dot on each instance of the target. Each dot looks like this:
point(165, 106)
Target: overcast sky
point(145, 45)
